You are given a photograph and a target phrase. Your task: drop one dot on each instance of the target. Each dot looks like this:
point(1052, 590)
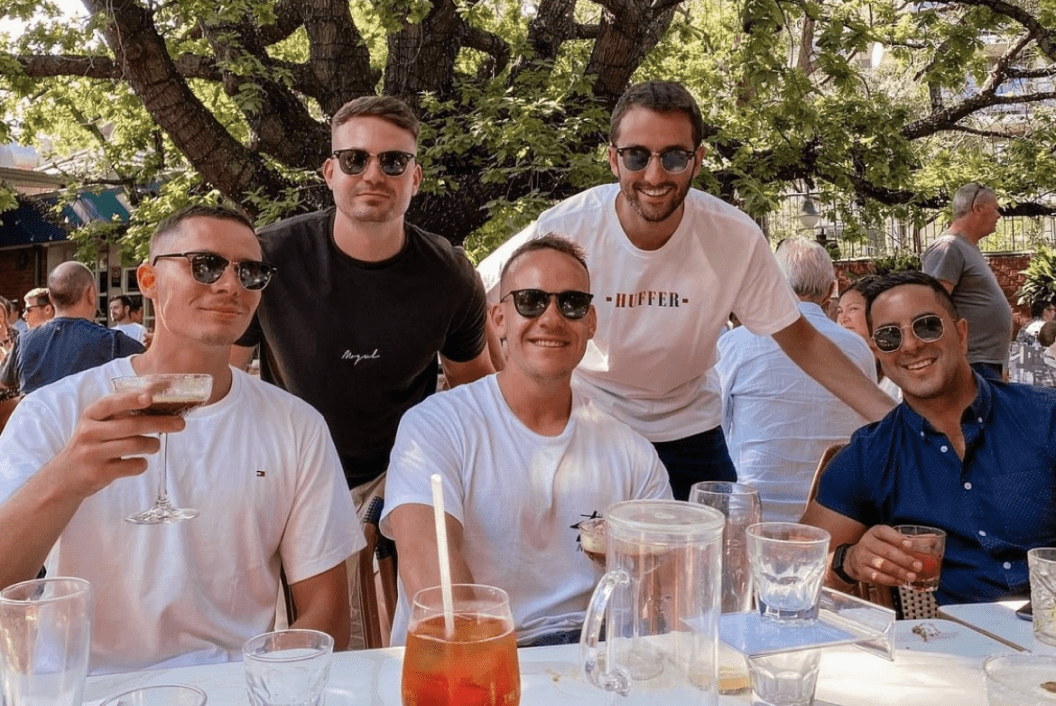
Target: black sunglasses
point(673, 160)
point(927, 328)
point(354, 161)
point(207, 267)
point(531, 303)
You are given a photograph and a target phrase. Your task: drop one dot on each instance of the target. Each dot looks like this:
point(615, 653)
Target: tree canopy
point(880, 108)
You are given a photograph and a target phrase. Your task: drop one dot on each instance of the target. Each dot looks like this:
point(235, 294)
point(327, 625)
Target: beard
point(659, 212)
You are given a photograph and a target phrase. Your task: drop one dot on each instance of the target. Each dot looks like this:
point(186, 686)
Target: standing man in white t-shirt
point(121, 315)
point(256, 462)
point(524, 459)
point(669, 263)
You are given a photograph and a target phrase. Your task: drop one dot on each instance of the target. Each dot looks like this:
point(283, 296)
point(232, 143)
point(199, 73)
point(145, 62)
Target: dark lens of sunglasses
point(674, 161)
point(207, 268)
point(352, 161)
point(928, 328)
point(394, 163)
point(888, 338)
point(254, 275)
point(636, 158)
point(574, 305)
point(530, 302)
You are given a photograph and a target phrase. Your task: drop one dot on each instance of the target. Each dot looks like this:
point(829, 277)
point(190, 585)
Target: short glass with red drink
point(927, 545)
point(472, 661)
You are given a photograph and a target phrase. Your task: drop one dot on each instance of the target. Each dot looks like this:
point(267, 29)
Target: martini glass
point(173, 395)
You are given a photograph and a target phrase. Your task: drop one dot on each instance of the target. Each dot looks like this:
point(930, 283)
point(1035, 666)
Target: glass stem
point(163, 481)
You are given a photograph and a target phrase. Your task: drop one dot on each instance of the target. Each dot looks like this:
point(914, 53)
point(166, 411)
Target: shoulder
point(591, 203)
point(264, 400)
point(461, 406)
point(610, 432)
point(298, 231)
point(702, 204)
point(438, 250)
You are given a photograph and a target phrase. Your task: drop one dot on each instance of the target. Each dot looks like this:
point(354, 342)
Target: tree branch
point(103, 67)
point(492, 45)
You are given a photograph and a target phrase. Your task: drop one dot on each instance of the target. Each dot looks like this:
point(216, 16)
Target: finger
point(116, 404)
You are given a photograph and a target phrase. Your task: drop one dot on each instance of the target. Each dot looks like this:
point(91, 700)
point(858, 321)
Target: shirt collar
point(972, 419)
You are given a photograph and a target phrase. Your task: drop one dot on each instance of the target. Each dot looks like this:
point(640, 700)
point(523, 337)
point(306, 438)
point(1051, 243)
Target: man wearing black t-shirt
point(363, 302)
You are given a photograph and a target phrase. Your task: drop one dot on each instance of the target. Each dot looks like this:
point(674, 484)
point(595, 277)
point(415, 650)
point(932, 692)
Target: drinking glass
point(592, 539)
point(784, 679)
point(45, 639)
point(928, 545)
point(473, 665)
point(1042, 563)
point(788, 566)
point(741, 507)
point(287, 667)
point(1020, 680)
point(173, 394)
point(165, 695)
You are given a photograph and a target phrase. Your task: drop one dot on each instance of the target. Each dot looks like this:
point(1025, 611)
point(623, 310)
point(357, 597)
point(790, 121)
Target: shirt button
point(944, 448)
point(921, 435)
point(967, 486)
point(982, 533)
point(980, 420)
point(1007, 565)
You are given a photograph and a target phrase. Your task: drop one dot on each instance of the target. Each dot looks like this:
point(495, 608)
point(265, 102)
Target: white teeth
point(918, 366)
point(549, 344)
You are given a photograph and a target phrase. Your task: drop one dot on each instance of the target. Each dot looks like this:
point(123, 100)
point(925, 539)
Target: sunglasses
point(353, 161)
point(207, 267)
point(531, 303)
point(673, 160)
point(927, 328)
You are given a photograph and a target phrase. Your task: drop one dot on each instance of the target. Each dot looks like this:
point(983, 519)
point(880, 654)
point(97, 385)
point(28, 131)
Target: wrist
point(839, 563)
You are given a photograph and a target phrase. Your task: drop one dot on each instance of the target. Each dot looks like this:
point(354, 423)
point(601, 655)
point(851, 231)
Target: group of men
point(604, 317)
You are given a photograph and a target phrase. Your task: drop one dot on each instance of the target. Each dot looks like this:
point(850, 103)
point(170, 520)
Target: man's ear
point(146, 278)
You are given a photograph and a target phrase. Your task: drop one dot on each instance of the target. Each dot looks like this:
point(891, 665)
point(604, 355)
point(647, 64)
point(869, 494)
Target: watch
point(838, 558)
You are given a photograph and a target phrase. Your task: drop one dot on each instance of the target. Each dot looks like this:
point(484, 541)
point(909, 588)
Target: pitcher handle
point(605, 675)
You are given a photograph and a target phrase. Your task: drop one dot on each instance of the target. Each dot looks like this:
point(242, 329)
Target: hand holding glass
point(927, 545)
point(175, 395)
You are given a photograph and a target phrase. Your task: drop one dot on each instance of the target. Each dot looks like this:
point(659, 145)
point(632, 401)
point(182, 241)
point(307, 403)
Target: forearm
point(820, 358)
point(322, 604)
point(416, 546)
point(30, 523)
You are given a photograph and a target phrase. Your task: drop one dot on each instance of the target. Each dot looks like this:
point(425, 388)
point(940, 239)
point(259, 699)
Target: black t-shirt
point(358, 340)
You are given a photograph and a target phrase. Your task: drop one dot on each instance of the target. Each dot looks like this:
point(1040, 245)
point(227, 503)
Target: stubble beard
point(660, 214)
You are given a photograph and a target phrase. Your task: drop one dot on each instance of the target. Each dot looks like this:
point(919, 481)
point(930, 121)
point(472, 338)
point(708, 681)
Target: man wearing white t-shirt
point(256, 462)
point(669, 263)
point(121, 314)
point(524, 459)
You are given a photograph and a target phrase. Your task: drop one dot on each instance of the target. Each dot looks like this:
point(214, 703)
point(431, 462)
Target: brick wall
point(1006, 266)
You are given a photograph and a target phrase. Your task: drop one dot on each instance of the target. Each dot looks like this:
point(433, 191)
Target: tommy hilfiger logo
point(349, 355)
point(667, 299)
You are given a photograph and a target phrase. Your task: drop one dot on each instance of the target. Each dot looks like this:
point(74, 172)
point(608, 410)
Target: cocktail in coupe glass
point(173, 394)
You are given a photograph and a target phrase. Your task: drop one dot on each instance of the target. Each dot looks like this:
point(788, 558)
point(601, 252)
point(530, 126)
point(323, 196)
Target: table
point(939, 671)
point(999, 621)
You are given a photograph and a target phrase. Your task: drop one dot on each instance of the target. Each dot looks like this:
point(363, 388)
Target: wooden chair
point(383, 550)
point(906, 603)
point(7, 406)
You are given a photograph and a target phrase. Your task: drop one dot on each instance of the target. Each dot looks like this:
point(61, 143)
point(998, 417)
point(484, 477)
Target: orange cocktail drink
point(475, 665)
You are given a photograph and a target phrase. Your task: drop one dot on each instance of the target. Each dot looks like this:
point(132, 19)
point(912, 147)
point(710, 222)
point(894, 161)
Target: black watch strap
point(838, 558)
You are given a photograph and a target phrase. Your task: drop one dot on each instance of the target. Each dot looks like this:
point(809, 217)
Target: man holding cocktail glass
point(963, 463)
point(255, 462)
point(524, 459)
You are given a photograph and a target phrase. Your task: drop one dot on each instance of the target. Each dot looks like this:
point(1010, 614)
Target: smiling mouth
point(655, 192)
point(547, 343)
point(919, 365)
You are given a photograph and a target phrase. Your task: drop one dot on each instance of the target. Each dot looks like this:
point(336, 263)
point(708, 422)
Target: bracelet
point(838, 557)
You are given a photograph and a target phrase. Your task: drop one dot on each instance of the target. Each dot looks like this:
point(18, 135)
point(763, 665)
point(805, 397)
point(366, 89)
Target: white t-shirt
point(660, 312)
point(133, 330)
point(262, 469)
point(518, 495)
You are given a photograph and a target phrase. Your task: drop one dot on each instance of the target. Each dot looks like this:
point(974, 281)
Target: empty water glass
point(287, 667)
point(788, 566)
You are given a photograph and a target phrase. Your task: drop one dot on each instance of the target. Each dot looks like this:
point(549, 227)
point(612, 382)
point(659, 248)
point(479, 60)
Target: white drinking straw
point(441, 550)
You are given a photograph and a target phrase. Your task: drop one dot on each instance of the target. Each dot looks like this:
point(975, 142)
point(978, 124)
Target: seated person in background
point(961, 453)
point(523, 458)
point(1042, 311)
point(777, 419)
point(850, 313)
point(257, 463)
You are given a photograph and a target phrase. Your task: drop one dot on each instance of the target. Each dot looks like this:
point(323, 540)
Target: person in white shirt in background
point(121, 315)
point(776, 418)
point(850, 313)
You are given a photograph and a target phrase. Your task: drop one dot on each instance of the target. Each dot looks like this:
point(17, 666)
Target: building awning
point(31, 223)
point(108, 206)
point(27, 225)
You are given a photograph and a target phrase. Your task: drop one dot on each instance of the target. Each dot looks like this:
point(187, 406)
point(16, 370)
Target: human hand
point(110, 441)
point(880, 557)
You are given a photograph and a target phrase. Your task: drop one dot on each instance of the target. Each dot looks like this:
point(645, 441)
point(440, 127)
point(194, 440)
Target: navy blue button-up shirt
point(994, 505)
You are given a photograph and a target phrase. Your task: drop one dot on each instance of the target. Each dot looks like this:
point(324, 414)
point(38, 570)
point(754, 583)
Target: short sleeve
point(765, 303)
point(465, 339)
point(943, 260)
point(423, 447)
point(126, 345)
point(842, 487)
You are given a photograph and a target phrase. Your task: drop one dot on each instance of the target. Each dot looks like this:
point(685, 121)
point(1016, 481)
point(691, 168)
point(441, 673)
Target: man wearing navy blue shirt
point(970, 456)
